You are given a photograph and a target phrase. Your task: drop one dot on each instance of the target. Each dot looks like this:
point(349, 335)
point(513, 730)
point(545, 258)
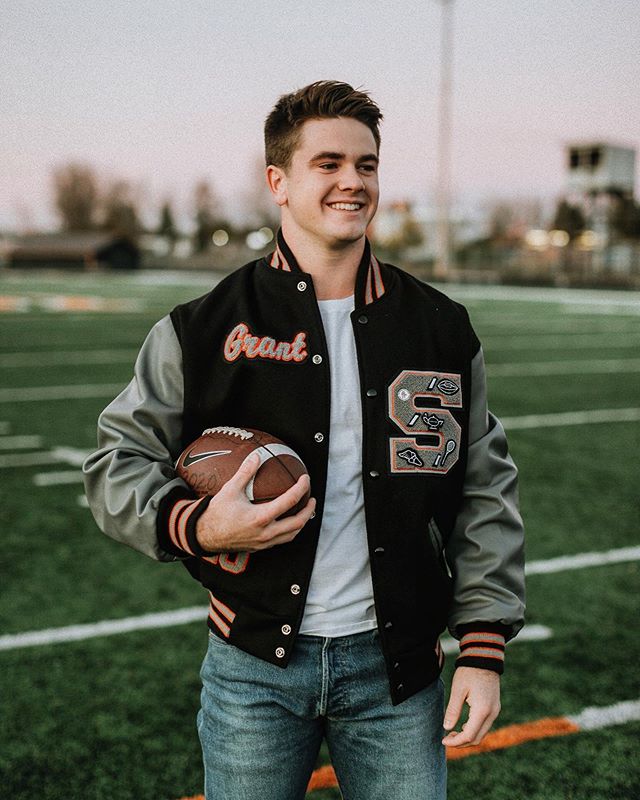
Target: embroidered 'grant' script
point(241, 341)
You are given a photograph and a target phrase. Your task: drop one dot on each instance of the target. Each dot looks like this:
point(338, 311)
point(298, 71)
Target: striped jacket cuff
point(482, 646)
point(177, 519)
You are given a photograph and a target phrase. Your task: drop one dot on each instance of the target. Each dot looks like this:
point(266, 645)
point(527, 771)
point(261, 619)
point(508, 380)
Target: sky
point(164, 93)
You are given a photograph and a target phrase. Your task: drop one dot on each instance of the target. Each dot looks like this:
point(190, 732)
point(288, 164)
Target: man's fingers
point(287, 500)
point(454, 708)
point(295, 522)
point(244, 473)
point(473, 731)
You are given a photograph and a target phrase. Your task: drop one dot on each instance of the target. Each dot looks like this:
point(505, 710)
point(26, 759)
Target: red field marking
point(509, 736)
point(513, 735)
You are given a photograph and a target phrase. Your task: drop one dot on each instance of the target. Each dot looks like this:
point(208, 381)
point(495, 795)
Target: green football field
point(88, 712)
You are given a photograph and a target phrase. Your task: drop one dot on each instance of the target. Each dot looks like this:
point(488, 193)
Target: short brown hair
point(319, 100)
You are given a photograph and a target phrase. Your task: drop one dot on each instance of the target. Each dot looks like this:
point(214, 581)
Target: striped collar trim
point(283, 259)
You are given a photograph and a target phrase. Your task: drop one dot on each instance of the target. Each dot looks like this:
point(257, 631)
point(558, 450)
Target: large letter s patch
point(429, 420)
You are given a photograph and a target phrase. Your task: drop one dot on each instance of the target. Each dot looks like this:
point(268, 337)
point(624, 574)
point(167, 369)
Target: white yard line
point(589, 299)
point(58, 455)
point(57, 478)
point(19, 442)
point(590, 719)
point(581, 560)
point(70, 358)
point(75, 633)
point(562, 341)
point(69, 392)
point(167, 619)
point(562, 418)
point(584, 367)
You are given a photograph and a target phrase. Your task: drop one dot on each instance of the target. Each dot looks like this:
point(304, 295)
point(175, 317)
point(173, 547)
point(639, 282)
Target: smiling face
point(329, 193)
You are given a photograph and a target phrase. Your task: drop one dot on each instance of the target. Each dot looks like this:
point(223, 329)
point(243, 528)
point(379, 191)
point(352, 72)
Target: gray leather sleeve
point(486, 548)
point(138, 441)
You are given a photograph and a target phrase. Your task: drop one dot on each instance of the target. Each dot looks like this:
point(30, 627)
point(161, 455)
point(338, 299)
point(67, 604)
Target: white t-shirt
point(340, 597)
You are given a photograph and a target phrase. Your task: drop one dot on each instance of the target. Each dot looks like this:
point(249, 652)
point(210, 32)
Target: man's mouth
point(346, 206)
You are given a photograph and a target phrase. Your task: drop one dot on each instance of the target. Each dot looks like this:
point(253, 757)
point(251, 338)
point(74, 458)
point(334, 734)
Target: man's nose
point(350, 180)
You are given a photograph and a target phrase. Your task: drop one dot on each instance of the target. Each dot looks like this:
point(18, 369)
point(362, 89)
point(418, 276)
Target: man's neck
point(333, 270)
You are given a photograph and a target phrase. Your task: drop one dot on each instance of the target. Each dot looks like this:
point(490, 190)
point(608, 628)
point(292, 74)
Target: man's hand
point(480, 688)
point(232, 523)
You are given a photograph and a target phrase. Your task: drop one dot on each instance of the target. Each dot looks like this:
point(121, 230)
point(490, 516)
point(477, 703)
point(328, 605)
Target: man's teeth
point(346, 206)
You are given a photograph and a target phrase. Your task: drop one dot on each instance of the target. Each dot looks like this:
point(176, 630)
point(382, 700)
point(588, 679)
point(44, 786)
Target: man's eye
point(328, 165)
point(368, 168)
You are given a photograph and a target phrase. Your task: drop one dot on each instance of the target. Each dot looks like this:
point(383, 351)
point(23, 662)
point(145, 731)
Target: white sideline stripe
point(562, 418)
point(72, 633)
point(561, 341)
point(582, 560)
point(57, 455)
point(19, 442)
point(530, 633)
point(588, 298)
point(57, 478)
point(72, 392)
point(594, 717)
point(76, 633)
point(524, 369)
point(67, 357)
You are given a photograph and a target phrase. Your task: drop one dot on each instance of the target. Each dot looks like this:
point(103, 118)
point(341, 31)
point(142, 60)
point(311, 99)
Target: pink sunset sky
point(164, 93)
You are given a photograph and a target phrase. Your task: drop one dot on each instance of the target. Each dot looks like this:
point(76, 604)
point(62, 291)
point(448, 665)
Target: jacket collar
point(369, 282)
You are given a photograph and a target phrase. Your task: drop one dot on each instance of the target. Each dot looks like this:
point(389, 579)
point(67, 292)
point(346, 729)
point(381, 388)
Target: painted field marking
point(562, 418)
point(49, 358)
point(582, 560)
point(69, 392)
point(169, 619)
point(562, 341)
point(19, 442)
point(111, 627)
point(541, 368)
point(82, 501)
point(585, 298)
point(57, 455)
point(593, 718)
point(60, 478)
point(182, 616)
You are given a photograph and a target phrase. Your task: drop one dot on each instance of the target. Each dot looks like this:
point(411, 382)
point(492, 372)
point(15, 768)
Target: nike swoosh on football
point(189, 459)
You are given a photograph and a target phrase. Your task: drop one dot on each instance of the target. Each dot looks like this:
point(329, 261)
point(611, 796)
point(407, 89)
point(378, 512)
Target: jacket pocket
point(438, 546)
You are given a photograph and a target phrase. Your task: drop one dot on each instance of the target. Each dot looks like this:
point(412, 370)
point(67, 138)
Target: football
point(214, 457)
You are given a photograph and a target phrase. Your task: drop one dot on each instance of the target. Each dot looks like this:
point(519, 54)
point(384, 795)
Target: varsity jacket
point(444, 534)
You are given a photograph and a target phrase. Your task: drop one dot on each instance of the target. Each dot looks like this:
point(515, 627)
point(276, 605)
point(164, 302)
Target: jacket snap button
point(396, 665)
point(295, 589)
point(388, 625)
point(372, 393)
point(280, 652)
point(319, 437)
point(379, 551)
point(302, 286)
point(286, 629)
point(317, 359)
point(374, 473)
point(400, 687)
point(363, 319)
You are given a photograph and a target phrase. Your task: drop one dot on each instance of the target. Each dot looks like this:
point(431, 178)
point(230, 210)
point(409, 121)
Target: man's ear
point(277, 183)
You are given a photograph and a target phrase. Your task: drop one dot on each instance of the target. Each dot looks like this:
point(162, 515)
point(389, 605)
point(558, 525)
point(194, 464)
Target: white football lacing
point(240, 432)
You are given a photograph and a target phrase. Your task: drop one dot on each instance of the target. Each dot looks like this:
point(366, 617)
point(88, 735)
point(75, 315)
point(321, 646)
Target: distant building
point(71, 251)
point(600, 168)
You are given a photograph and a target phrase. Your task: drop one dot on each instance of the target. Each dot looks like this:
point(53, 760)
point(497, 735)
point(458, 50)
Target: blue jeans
point(261, 726)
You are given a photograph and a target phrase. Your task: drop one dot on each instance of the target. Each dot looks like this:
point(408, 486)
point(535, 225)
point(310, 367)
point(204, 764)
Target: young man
point(326, 623)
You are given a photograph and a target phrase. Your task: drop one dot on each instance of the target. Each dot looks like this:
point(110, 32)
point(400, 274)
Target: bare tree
point(76, 196)
point(207, 215)
point(119, 210)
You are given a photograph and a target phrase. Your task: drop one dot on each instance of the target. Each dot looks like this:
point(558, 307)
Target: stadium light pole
point(443, 198)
